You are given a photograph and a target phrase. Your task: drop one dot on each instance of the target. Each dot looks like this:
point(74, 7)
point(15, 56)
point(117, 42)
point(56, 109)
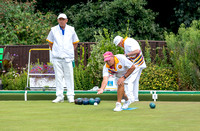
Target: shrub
point(185, 55)
point(104, 42)
point(158, 75)
point(147, 55)
point(13, 80)
point(82, 79)
point(115, 16)
point(20, 24)
point(155, 77)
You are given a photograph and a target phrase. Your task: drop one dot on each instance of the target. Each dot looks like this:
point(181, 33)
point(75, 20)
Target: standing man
point(123, 69)
point(63, 41)
point(133, 52)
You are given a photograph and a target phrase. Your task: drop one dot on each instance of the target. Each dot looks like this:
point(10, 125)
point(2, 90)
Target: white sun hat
point(117, 40)
point(62, 15)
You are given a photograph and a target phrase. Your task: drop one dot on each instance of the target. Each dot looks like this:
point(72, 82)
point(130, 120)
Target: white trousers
point(64, 76)
point(131, 85)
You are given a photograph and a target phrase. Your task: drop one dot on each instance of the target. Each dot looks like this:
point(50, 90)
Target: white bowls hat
point(117, 40)
point(62, 15)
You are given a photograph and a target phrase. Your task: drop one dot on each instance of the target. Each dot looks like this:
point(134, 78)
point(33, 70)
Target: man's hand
point(100, 91)
point(120, 81)
point(50, 45)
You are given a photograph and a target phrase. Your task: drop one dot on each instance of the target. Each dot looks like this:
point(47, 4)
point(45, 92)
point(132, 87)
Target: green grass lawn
point(47, 116)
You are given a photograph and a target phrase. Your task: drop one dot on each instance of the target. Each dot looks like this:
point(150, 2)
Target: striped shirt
point(130, 45)
point(122, 64)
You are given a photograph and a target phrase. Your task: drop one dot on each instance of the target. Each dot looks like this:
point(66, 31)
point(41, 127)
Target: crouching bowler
point(123, 69)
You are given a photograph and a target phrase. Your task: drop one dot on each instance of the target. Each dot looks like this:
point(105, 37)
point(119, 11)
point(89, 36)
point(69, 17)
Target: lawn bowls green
point(37, 114)
point(152, 105)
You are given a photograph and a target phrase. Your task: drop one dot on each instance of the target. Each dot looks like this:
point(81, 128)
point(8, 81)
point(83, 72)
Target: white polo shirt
point(131, 45)
point(122, 64)
point(63, 44)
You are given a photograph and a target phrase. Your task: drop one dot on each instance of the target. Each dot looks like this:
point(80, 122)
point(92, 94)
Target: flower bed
point(43, 79)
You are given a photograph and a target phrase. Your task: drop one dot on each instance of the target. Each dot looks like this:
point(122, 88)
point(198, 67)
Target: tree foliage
point(114, 16)
point(19, 24)
point(170, 13)
point(58, 6)
point(185, 12)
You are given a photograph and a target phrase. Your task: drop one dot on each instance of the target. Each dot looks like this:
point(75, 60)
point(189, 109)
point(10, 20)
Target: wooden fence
point(21, 52)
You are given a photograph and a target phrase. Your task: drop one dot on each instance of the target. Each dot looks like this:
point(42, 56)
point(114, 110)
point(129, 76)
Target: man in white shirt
point(133, 52)
point(63, 41)
point(123, 69)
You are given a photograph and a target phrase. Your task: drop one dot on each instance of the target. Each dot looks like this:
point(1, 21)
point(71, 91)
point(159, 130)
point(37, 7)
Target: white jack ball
point(95, 104)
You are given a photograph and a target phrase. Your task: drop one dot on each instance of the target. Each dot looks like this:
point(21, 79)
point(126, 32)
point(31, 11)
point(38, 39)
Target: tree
point(58, 6)
point(21, 25)
point(172, 13)
point(185, 12)
point(115, 16)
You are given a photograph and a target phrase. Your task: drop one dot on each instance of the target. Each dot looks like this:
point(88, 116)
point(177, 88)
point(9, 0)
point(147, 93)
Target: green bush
point(13, 80)
point(104, 42)
point(82, 81)
point(20, 24)
point(184, 51)
point(114, 16)
point(159, 76)
point(155, 77)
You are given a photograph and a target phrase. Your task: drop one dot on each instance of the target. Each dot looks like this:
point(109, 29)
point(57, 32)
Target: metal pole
point(29, 57)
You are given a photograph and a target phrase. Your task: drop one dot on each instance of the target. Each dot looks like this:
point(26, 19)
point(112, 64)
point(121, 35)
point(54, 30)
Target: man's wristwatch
point(124, 77)
point(126, 55)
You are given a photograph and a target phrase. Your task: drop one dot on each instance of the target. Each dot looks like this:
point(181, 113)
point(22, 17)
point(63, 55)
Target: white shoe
point(126, 104)
point(136, 99)
point(118, 107)
point(123, 101)
point(70, 99)
point(58, 99)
